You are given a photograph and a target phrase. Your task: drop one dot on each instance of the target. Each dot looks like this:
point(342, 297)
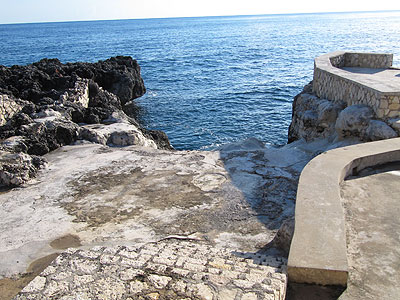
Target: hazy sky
point(23, 11)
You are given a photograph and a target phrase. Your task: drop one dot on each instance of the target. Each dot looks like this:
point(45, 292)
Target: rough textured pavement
point(92, 195)
point(169, 269)
point(95, 195)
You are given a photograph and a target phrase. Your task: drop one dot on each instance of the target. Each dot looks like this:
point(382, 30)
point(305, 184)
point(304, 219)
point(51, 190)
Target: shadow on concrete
point(270, 192)
point(363, 70)
point(5, 189)
point(274, 204)
point(294, 291)
point(300, 291)
point(388, 167)
point(267, 177)
point(372, 212)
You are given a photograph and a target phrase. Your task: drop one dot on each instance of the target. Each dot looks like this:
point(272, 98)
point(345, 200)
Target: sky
point(28, 11)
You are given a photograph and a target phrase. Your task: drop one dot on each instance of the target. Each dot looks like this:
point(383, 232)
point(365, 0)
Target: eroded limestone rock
point(313, 117)
point(116, 134)
point(60, 100)
point(78, 94)
point(395, 124)
point(9, 107)
point(14, 144)
point(354, 121)
point(358, 121)
point(379, 130)
point(18, 168)
point(284, 236)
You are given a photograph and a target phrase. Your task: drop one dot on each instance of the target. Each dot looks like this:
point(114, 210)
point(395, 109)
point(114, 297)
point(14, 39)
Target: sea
point(211, 80)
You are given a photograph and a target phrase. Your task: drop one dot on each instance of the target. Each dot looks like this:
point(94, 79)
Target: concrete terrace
point(385, 80)
point(359, 78)
point(356, 247)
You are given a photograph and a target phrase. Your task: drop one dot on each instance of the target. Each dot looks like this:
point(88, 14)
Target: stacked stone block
point(170, 269)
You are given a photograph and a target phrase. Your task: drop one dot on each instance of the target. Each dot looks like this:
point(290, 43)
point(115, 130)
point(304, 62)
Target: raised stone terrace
point(359, 78)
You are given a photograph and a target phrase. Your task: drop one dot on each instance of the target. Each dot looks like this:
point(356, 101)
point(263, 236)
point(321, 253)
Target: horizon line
point(208, 16)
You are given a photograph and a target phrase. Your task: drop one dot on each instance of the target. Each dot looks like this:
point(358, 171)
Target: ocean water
point(211, 80)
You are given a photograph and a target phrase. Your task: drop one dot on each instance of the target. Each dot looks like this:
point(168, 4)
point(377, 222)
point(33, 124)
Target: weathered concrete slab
point(372, 208)
point(318, 251)
point(385, 80)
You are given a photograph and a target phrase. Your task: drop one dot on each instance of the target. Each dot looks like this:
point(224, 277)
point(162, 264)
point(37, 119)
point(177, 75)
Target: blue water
point(211, 80)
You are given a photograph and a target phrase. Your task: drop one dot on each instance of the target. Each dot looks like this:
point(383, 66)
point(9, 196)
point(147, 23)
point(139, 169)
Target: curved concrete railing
point(334, 81)
point(318, 250)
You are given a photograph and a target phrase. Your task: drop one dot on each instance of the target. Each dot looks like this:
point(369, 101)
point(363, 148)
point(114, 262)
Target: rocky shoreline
point(47, 104)
point(240, 198)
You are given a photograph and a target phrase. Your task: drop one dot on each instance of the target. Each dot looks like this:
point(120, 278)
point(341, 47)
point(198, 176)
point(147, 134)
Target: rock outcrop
point(46, 105)
point(313, 117)
point(283, 237)
point(17, 168)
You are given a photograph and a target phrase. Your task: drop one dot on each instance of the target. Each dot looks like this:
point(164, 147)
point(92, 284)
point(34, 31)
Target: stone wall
point(362, 60)
point(331, 82)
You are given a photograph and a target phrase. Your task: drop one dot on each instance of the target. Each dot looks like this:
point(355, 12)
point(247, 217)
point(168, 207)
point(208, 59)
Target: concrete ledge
point(318, 251)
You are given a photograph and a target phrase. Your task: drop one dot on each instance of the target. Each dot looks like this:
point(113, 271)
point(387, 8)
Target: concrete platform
point(318, 251)
point(372, 209)
point(384, 80)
